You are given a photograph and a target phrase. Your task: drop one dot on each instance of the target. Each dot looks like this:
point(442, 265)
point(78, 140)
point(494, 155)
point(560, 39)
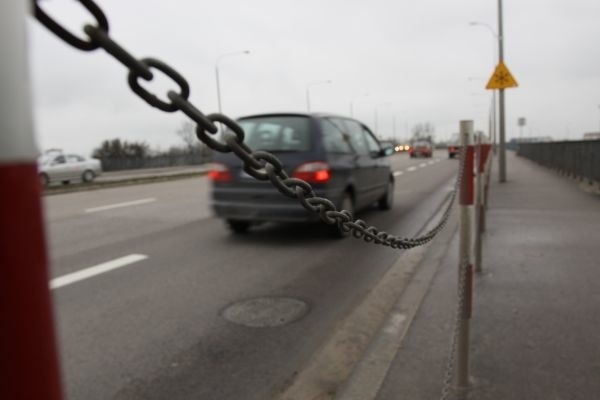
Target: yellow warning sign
point(502, 78)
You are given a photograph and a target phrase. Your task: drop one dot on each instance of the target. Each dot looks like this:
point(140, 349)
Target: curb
point(370, 372)
point(82, 187)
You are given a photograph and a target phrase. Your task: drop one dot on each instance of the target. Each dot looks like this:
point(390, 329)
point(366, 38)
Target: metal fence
point(124, 163)
point(579, 159)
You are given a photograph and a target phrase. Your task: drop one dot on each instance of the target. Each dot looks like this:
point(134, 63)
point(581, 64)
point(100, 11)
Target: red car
point(453, 150)
point(421, 149)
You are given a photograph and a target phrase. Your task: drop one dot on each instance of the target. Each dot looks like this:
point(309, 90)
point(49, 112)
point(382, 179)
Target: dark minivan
point(338, 156)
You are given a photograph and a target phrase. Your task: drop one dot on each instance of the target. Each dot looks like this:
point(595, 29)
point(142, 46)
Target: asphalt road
point(146, 321)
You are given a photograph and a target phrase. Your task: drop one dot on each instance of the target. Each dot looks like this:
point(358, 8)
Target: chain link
point(456, 329)
point(261, 165)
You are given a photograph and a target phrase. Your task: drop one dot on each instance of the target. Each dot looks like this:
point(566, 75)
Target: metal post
point(29, 360)
point(307, 98)
point(218, 87)
point(478, 202)
point(465, 268)
point(502, 148)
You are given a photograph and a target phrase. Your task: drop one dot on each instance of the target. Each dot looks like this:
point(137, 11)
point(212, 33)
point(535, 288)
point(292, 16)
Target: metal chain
point(259, 164)
point(456, 329)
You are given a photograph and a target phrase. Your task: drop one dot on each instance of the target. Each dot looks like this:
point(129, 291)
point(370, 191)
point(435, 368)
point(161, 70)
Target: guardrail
point(580, 159)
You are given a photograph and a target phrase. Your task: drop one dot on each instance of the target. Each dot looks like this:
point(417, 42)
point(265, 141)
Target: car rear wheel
point(347, 204)
point(238, 226)
point(387, 200)
point(88, 176)
point(44, 180)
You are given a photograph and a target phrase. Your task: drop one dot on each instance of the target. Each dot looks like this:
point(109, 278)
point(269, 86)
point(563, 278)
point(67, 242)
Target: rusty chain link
point(261, 165)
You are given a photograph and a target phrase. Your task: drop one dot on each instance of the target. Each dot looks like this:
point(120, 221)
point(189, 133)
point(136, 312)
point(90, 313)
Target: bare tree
point(187, 133)
point(193, 145)
point(423, 131)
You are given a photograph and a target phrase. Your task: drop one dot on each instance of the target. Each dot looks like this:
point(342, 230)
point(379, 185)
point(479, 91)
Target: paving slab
point(535, 332)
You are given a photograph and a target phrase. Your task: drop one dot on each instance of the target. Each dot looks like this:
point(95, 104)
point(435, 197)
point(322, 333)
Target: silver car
point(65, 168)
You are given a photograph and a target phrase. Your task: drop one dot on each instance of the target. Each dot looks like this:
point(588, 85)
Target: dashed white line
point(119, 205)
point(95, 270)
point(422, 165)
point(398, 173)
point(431, 162)
point(411, 169)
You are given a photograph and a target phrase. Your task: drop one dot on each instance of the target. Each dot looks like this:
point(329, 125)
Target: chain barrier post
point(479, 212)
point(465, 268)
point(29, 363)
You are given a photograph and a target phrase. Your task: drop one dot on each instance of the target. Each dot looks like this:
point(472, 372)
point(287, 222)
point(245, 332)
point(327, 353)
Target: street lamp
point(497, 37)
point(235, 53)
point(377, 118)
point(352, 103)
point(308, 85)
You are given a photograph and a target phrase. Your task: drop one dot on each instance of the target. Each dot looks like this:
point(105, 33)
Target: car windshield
point(277, 133)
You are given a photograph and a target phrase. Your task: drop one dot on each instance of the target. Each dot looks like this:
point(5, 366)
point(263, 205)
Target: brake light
point(313, 172)
point(219, 173)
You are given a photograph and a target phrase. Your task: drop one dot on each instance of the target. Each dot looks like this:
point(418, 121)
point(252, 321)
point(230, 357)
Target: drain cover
point(265, 312)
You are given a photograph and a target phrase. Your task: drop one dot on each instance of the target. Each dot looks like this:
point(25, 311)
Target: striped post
point(28, 362)
point(465, 278)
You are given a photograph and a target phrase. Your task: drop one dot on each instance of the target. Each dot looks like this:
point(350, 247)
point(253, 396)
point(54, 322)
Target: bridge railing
point(579, 159)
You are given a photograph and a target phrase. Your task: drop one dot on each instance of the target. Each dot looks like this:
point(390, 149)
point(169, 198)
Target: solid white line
point(422, 165)
point(398, 173)
point(95, 270)
point(411, 169)
point(119, 205)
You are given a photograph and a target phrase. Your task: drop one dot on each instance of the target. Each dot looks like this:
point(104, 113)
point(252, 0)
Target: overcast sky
point(419, 61)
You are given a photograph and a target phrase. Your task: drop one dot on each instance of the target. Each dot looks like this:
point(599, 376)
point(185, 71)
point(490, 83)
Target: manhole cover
point(265, 312)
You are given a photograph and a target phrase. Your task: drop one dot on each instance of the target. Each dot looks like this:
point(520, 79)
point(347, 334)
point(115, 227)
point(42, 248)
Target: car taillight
point(313, 172)
point(219, 173)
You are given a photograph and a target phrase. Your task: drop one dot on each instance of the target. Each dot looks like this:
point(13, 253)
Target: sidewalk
point(535, 332)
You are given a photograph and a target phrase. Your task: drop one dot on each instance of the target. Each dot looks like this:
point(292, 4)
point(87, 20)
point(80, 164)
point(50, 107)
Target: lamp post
point(352, 103)
point(308, 86)
point(377, 118)
point(235, 53)
point(495, 38)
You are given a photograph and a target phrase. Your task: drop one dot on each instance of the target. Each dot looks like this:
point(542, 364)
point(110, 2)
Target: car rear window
point(277, 133)
point(421, 144)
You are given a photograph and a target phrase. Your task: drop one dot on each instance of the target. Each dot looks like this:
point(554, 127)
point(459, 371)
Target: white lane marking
point(422, 165)
point(119, 205)
point(95, 270)
point(411, 169)
point(431, 162)
point(398, 173)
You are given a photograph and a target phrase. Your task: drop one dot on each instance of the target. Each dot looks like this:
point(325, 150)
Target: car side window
point(374, 147)
point(357, 138)
point(74, 159)
point(334, 138)
point(59, 160)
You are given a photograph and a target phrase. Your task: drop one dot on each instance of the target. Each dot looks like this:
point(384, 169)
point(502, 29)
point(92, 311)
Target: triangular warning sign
point(502, 78)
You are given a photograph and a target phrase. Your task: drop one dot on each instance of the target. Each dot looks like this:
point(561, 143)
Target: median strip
point(120, 205)
point(95, 270)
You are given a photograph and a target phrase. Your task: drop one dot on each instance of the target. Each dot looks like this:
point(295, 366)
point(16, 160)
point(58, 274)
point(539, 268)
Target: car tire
point(386, 202)
point(88, 175)
point(44, 180)
point(238, 226)
point(347, 203)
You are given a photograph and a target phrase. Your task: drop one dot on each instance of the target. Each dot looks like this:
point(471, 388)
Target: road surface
point(142, 275)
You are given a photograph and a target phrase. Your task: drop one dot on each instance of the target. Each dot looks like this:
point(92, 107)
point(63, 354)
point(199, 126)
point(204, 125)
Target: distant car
point(453, 150)
point(421, 149)
point(340, 157)
point(66, 168)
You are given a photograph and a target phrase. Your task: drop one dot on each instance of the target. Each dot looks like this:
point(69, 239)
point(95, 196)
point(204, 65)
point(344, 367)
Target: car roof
point(295, 114)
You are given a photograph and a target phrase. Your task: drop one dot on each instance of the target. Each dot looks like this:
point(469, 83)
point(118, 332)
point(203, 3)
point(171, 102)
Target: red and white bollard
point(465, 266)
point(28, 356)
